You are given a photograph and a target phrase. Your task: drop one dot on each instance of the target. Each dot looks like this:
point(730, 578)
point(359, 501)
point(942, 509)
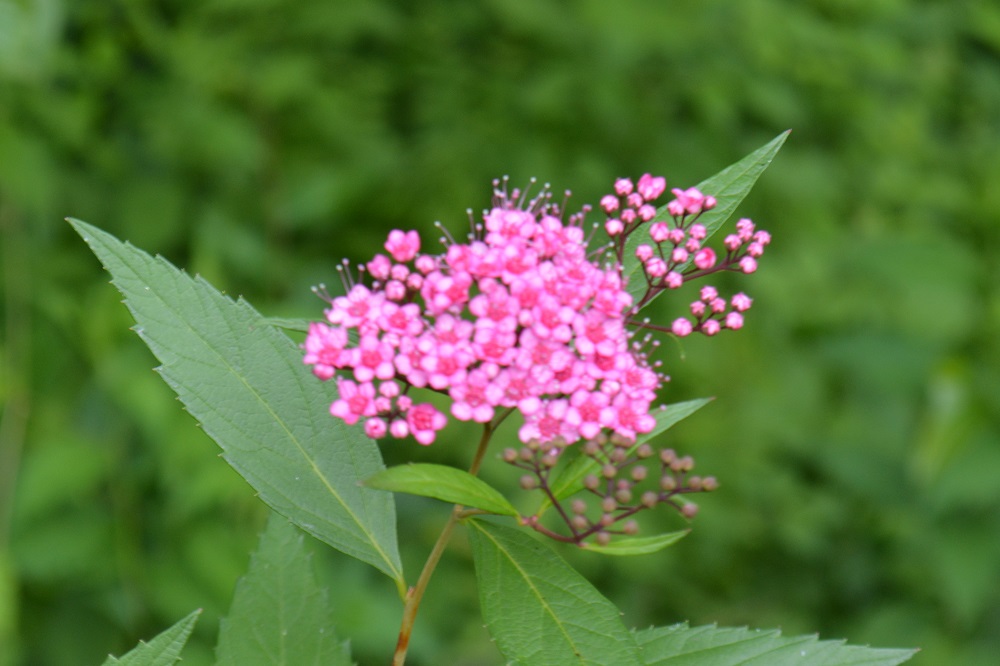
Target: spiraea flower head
point(524, 315)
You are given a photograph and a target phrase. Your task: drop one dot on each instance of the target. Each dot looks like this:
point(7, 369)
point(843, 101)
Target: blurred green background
point(256, 142)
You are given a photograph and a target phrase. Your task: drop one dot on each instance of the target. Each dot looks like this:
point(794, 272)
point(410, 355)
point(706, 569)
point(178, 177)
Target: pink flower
point(681, 327)
point(355, 401)
point(651, 187)
point(403, 246)
point(741, 302)
point(325, 347)
point(424, 422)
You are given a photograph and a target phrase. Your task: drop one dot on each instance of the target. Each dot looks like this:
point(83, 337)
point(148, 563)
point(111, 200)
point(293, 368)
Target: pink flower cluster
point(520, 316)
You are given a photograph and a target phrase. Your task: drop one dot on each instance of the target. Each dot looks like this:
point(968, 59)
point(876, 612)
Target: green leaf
point(246, 384)
point(681, 645)
point(569, 480)
point(729, 187)
point(443, 483)
point(163, 650)
point(637, 546)
point(279, 615)
point(538, 609)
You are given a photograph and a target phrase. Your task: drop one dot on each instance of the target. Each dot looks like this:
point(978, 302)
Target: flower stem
point(416, 593)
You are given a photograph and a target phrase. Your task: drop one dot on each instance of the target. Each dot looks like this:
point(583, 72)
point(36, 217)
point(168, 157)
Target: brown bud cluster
point(623, 480)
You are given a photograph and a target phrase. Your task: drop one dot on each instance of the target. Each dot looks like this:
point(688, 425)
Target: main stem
point(416, 593)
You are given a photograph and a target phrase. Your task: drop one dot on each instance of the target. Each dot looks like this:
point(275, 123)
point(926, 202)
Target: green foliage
point(538, 609)
point(443, 483)
point(243, 381)
point(681, 644)
point(280, 616)
point(637, 545)
point(164, 650)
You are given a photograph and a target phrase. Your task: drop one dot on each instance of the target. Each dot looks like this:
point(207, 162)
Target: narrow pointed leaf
point(638, 545)
point(443, 483)
point(245, 382)
point(279, 615)
point(164, 650)
point(569, 479)
point(538, 609)
point(729, 187)
point(681, 645)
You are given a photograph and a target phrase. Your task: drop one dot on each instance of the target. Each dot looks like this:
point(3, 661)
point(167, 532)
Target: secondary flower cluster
point(521, 316)
point(620, 483)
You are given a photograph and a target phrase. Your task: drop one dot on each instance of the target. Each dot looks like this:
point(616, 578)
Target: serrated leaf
point(538, 609)
point(681, 645)
point(569, 480)
point(443, 483)
point(164, 650)
point(279, 615)
point(246, 384)
point(729, 187)
point(637, 545)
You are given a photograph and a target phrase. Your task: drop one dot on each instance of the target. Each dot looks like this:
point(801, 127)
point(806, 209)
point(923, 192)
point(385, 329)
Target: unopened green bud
point(529, 482)
point(591, 482)
point(602, 538)
point(650, 499)
point(630, 527)
point(644, 451)
point(509, 455)
point(639, 473)
point(689, 510)
point(608, 504)
point(578, 506)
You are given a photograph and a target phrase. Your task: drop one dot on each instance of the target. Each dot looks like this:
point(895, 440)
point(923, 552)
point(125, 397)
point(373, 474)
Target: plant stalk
point(416, 593)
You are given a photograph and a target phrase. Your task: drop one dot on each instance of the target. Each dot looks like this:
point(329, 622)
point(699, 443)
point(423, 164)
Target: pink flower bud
point(614, 227)
point(628, 216)
point(674, 280)
point(379, 267)
point(718, 305)
point(709, 293)
point(623, 186)
point(659, 232)
point(679, 255)
point(762, 237)
point(426, 264)
point(609, 203)
point(741, 302)
point(643, 252)
point(399, 428)
point(656, 267)
point(375, 428)
point(711, 327)
point(634, 200)
point(748, 264)
point(676, 236)
point(651, 187)
point(698, 231)
point(705, 258)
point(698, 309)
point(647, 212)
point(681, 327)
point(395, 290)
point(755, 249)
point(709, 203)
point(732, 242)
point(734, 320)
point(675, 208)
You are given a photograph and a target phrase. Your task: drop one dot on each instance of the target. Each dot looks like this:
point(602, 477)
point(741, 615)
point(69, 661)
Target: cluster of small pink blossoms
point(520, 317)
point(677, 254)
